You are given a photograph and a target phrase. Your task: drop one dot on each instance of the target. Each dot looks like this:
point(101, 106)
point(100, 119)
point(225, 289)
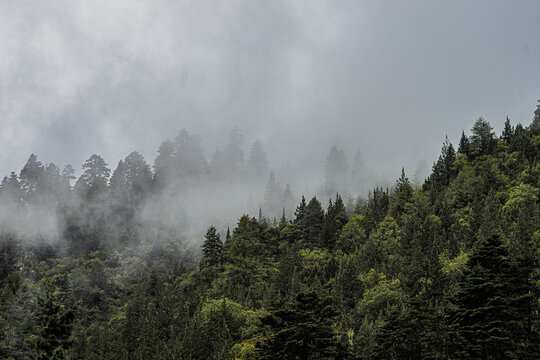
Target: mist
point(95, 77)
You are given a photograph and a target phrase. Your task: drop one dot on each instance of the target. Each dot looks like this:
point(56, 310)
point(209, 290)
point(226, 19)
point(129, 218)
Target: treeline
point(444, 270)
point(124, 204)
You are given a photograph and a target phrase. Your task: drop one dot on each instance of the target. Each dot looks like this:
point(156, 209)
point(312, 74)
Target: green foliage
point(448, 270)
point(303, 329)
point(54, 326)
point(212, 248)
point(353, 234)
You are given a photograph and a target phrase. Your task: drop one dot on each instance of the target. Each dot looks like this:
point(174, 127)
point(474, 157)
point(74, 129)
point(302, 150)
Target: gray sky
point(389, 78)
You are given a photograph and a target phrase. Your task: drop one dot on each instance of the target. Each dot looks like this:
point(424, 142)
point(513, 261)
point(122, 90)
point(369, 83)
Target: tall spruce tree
point(312, 222)
point(464, 146)
point(483, 312)
point(212, 248)
point(507, 132)
point(334, 220)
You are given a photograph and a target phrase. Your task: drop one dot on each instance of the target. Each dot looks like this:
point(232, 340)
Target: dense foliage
point(445, 270)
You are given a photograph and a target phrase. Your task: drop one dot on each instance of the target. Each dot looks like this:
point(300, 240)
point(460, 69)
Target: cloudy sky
point(389, 78)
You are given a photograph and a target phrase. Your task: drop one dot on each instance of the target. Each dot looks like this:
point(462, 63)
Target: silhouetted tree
point(93, 180)
point(257, 165)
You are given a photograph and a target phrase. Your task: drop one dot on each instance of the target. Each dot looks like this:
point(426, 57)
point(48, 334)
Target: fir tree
point(300, 212)
point(212, 248)
point(483, 312)
point(507, 132)
point(301, 330)
point(312, 222)
point(483, 138)
point(443, 169)
point(334, 220)
point(55, 325)
point(464, 145)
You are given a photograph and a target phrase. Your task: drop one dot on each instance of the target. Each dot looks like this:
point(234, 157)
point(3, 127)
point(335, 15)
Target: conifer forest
point(444, 269)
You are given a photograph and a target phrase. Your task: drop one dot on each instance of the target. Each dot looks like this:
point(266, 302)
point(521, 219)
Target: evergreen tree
point(212, 248)
point(257, 165)
point(301, 330)
point(464, 145)
point(443, 169)
point(312, 222)
point(287, 199)
point(55, 326)
point(283, 220)
point(273, 195)
point(300, 211)
point(507, 132)
point(376, 207)
point(93, 181)
point(163, 164)
point(402, 195)
point(189, 161)
point(229, 163)
point(31, 177)
point(334, 220)
point(483, 138)
point(483, 312)
point(10, 189)
point(335, 171)
point(119, 183)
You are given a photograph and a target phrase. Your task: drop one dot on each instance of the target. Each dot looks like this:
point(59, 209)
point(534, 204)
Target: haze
point(390, 79)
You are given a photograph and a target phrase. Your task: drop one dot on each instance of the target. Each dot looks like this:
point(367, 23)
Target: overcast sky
point(389, 78)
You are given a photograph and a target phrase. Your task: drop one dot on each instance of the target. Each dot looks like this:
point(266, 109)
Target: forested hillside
point(446, 269)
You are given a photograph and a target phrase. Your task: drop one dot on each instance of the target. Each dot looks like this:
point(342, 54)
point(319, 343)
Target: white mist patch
point(30, 223)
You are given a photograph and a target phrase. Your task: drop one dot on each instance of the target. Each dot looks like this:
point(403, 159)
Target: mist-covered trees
point(447, 269)
point(94, 180)
point(257, 164)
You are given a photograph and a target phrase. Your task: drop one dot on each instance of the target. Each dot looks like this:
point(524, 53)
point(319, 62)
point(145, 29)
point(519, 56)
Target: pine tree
point(212, 248)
